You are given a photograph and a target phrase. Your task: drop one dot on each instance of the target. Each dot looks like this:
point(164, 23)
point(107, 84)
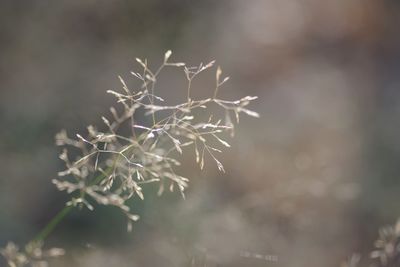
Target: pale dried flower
point(112, 166)
point(33, 255)
point(387, 249)
point(388, 246)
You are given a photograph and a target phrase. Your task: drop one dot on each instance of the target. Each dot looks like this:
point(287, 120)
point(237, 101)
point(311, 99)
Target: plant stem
point(49, 227)
point(52, 224)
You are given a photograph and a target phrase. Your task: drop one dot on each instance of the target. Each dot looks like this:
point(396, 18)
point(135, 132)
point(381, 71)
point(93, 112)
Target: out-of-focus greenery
point(311, 181)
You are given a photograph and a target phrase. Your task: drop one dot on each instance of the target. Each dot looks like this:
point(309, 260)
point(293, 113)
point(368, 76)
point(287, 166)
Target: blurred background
point(310, 181)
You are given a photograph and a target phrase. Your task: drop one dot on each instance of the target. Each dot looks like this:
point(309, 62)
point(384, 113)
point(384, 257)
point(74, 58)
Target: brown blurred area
point(310, 181)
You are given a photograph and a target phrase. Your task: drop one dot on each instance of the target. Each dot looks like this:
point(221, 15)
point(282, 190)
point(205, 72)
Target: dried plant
point(387, 249)
point(33, 255)
point(110, 167)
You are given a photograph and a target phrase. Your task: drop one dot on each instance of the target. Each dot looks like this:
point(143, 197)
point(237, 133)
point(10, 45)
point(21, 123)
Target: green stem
point(52, 224)
point(49, 227)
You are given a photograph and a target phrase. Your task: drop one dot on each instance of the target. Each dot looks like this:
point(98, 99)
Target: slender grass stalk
point(49, 228)
point(51, 225)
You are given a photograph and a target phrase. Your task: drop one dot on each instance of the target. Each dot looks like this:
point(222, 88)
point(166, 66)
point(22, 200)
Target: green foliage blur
point(310, 181)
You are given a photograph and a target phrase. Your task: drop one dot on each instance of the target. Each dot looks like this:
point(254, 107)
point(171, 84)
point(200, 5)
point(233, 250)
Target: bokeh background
point(310, 181)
